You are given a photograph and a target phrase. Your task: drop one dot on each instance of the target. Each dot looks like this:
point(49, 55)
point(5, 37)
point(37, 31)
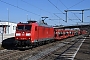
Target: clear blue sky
point(35, 9)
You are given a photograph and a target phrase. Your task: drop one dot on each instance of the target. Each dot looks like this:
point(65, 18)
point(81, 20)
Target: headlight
point(28, 34)
point(18, 34)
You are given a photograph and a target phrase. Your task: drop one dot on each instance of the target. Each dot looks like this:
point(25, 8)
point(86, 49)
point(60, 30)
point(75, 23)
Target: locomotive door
point(36, 33)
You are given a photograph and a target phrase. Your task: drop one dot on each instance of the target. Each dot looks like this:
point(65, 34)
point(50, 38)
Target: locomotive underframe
point(28, 43)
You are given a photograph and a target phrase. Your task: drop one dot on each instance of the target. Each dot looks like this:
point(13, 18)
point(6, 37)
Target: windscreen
point(27, 27)
point(24, 27)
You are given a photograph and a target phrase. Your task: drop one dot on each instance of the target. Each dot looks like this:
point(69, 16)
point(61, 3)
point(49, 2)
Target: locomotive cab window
point(20, 27)
point(28, 27)
point(24, 27)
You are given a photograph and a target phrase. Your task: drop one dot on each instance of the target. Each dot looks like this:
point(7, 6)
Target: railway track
point(48, 51)
point(41, 55)
point(68, 52)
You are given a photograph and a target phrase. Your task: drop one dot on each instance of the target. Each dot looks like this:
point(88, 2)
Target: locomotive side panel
point(33, 33)
point(41, 33)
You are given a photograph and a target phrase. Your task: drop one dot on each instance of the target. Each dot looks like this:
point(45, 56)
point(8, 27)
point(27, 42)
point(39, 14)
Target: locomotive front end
point(23, 35)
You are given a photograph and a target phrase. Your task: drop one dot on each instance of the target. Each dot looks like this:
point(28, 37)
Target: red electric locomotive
point(31, 33)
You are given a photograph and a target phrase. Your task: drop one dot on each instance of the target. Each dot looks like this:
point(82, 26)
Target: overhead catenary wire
point(35, 6)
point(77, 16)
point(59, 17)
point(38, 8)
point(63, 3)
point(67, 9)
point(72, 5)
point(19, 7)
point(76, 4)
point(57, 9)
point(54, 6)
